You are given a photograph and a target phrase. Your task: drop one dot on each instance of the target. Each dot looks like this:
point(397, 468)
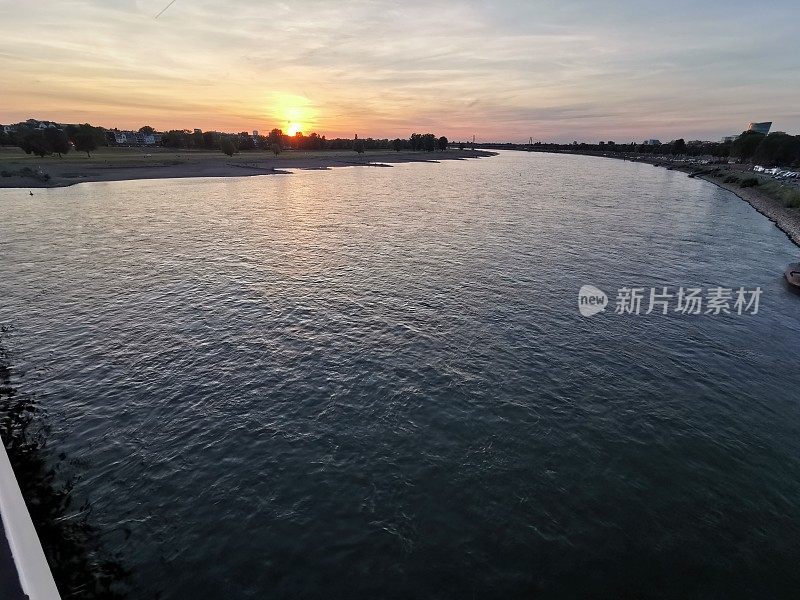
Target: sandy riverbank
point(118, 164)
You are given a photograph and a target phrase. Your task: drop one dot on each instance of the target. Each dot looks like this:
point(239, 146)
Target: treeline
point(675, 147)
point(53, 140)
point(277, 141)
point(48, 139)
point(774, 150)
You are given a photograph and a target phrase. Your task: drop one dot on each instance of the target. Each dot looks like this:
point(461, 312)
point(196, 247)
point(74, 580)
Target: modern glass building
point(760, 127)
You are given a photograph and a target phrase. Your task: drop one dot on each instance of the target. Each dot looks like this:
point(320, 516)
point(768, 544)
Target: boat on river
point(792, 274)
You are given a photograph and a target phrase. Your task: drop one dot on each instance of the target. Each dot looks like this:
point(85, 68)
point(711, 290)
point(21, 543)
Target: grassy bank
point(787, 195)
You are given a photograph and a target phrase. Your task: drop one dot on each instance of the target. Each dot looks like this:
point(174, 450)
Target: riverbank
point(20, 170)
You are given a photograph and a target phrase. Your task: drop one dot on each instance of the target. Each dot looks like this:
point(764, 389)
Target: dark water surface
point(375, 383)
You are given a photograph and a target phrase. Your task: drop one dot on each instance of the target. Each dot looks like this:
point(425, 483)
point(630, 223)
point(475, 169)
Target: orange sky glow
point(548, 70)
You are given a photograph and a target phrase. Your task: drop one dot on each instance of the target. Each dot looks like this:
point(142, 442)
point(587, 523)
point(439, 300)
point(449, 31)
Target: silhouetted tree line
point(86, 138)
point(777, 149)
point(55, 140)
point(278, 141)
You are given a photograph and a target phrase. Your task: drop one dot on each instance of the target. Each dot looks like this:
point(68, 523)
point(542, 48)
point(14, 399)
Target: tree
point(176, 138)
point(428, 142)
point(314, 142)
point(299, 141)
point(197, 139)
point(34, 142)
point(778, 149)
point(42, 142)
point(147, 130)
point(397, 144)
point(57, 141)
point(210, 140)
point(245, 141)
point(679, 146)
point(744, 147)
point(84, 140)
point(227, 146)
point(441, 143)
point(275, 147)
point(358, 146)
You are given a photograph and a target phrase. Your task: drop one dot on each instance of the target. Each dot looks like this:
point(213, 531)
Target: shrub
point(786, 194)
point(227, 146)
point(731, 179)
point(749, 182)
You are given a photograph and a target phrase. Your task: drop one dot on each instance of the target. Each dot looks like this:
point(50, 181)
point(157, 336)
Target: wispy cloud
point(504, 70)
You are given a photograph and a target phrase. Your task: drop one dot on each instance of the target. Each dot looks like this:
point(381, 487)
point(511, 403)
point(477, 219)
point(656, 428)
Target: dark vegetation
point(54, 140)
point(72, 546)
point(26, 172)
point(777, 149)
point(787, 195)
point(749, 182)
point(276, 141)
point(59, 140)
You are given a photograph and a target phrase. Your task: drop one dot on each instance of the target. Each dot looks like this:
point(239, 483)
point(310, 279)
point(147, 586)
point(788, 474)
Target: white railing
point(34, 573)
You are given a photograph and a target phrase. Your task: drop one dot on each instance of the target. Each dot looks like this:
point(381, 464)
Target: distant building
point(652, 143)
point(41, 124)
point(729, 138)
point(133, 138)
point(148, 139)
point(760, 127)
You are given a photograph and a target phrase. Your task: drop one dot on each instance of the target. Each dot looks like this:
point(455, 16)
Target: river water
point(376, 383)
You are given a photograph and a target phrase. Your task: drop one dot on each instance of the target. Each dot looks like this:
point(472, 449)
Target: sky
point(503, 71)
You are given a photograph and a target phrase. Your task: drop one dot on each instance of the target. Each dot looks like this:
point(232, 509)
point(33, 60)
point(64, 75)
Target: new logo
point(591, 300)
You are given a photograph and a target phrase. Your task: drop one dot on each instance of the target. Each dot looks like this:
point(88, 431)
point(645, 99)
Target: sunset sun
point(294, 128)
